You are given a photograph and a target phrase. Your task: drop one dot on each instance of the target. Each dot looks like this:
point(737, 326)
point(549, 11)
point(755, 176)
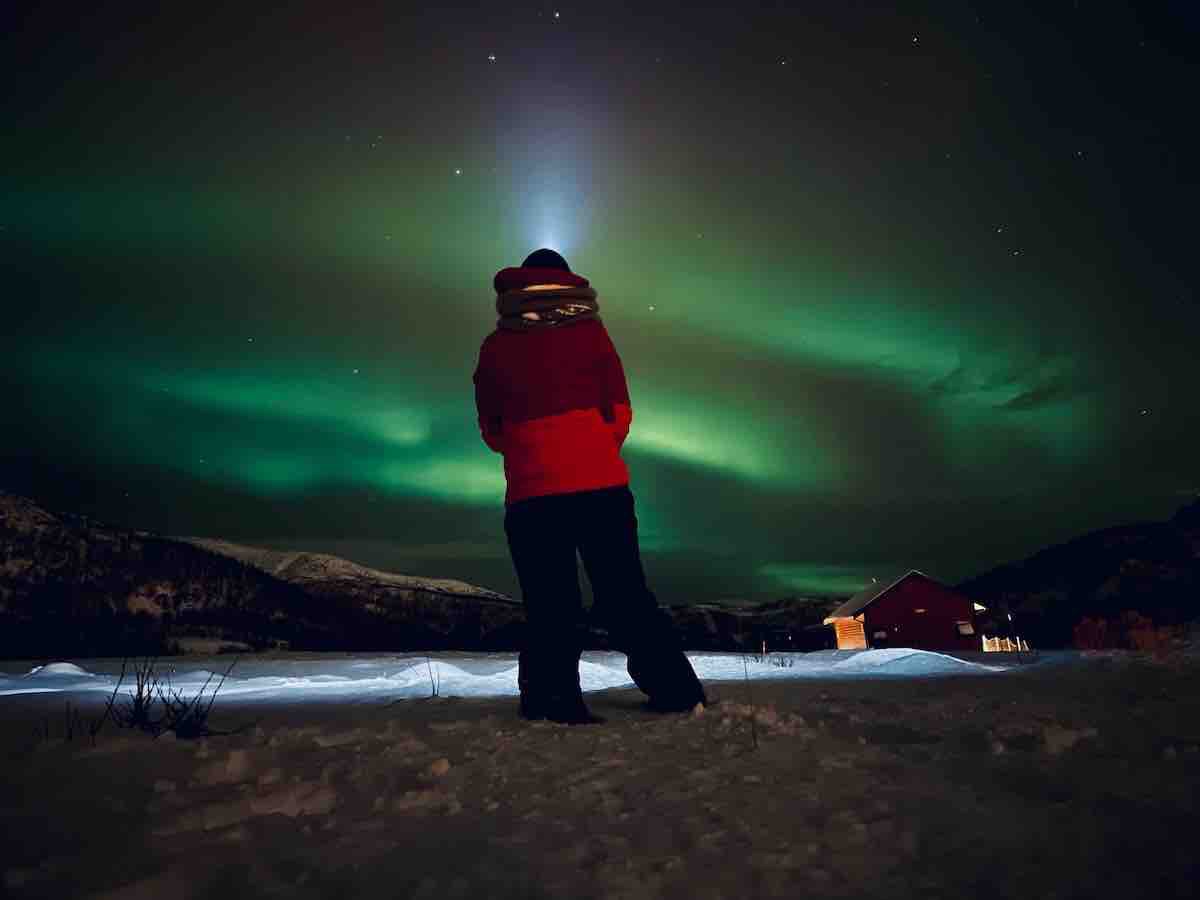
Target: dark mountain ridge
point(72, 586)
point(1145, 569)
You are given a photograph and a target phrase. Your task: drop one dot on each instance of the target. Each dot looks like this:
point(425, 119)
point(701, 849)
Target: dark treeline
point(1124, 577)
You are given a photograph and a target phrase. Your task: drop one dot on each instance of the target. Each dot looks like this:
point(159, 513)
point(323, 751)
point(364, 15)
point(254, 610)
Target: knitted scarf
point(526, 310)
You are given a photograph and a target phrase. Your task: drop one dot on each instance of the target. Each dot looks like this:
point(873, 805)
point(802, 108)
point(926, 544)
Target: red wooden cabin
point(912, 611)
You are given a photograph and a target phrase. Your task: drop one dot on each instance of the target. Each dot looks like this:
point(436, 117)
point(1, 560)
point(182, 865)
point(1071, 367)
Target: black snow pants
point(544, 534)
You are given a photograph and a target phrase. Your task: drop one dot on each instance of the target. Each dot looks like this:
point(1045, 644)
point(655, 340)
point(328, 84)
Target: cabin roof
point(867, 596)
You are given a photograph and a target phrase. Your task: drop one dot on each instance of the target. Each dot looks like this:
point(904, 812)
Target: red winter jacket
point(553, 400)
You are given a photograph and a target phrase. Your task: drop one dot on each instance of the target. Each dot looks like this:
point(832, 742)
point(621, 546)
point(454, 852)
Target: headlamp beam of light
point(551, 230)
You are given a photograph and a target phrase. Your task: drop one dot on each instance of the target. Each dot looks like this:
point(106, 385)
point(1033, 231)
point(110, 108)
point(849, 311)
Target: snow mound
point(903, 661)
point(893, 662)
point(53, 678)
point(471, 675)
point(59, 668)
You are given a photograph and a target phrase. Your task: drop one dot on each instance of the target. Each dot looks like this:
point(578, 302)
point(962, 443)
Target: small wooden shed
point(912, 611)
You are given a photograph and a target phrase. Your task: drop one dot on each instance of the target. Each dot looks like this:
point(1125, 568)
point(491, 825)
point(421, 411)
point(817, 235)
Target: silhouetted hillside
point(790, 624)
point(71, 586)
point(1148, 568)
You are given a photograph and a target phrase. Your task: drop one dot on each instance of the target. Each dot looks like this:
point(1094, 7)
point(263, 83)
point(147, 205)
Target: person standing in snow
point(551, 396)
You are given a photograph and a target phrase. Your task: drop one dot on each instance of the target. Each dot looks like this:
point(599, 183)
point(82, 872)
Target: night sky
point(892, 287)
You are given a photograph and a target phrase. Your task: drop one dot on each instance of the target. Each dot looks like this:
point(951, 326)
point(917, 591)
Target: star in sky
point(566, 130)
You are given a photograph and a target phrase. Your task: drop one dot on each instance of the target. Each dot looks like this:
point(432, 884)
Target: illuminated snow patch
point(59, 669)
point(468, 675)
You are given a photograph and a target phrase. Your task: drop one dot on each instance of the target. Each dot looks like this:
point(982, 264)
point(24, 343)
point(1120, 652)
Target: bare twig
point(73, 722)
point(97, 724)
point(220, 684)
point(434, 686)
point(138, 712)
point(753, 708)
point(188, 718)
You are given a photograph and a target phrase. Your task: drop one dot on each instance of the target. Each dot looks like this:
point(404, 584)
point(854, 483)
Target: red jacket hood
point(515, 278)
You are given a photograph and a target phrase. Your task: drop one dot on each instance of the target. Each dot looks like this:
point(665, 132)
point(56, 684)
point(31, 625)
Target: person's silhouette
point(551, 396)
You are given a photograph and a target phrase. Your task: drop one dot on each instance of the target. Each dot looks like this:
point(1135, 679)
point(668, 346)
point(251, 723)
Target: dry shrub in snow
point(156, 707)
point(1128, 631)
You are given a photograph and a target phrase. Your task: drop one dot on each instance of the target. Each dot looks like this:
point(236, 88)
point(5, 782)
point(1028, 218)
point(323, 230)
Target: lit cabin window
point(965, 627)
point(919, 610)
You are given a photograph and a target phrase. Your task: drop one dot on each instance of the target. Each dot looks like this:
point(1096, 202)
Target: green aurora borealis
point(891, 290)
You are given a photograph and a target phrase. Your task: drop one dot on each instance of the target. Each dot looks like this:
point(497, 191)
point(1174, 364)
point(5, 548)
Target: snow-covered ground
point(336, 676)
point(879, 774)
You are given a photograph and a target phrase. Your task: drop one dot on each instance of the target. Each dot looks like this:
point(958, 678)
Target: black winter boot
point(567, 709)
point(549, 686)
point(668, 679)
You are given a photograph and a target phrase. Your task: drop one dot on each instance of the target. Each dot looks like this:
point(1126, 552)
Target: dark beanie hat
point(545, 259)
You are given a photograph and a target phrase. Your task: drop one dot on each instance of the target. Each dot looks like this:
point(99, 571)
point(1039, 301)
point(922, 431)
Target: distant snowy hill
point(782, 624)
point(72, 586)
point(408, 611)
point(308, 568)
